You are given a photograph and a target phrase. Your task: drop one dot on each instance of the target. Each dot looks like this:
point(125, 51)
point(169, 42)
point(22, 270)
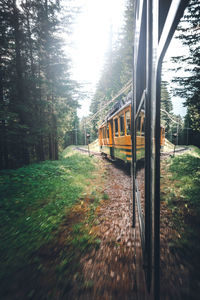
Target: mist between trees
point(38, 99)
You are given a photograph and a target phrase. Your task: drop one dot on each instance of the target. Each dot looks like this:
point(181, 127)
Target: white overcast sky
point(90, 40)
point(175, 48)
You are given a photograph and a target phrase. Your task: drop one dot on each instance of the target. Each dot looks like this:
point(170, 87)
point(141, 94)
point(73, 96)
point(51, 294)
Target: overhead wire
point(124, 89)
point(169, 116)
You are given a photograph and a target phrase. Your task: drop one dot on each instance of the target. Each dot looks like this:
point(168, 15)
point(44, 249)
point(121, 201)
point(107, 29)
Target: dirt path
point(110, 270)
point(107, 272)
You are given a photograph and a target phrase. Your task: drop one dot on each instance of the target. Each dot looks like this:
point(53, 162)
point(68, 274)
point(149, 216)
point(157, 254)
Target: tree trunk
point(20, 99)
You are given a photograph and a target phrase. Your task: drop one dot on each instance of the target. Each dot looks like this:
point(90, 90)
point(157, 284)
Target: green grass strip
point(33, 203)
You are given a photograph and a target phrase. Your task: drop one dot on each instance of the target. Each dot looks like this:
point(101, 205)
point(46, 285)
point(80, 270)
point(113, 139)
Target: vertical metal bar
point(148, 147)
point(133, 138)
point(157, 191)
point(133, 111)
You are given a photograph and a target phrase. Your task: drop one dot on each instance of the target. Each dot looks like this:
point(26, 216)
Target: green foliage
point(186, 170)
point(188, 33)
point(166, 105)
point(83, 239)
point(34, 202)
point(181, 194)
point(105, 196)
point(117, 68)
point(38, 100)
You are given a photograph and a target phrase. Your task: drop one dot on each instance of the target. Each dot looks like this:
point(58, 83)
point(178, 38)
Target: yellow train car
point(115, 134)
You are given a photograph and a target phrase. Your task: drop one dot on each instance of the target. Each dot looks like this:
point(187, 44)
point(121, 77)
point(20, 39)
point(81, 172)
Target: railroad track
point(166, 154)
point(163, 154)
point(86, 151)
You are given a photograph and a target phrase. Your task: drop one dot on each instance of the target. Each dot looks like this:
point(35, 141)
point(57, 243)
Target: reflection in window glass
point(138, 125)
point(128, 122)
point(143, 119)
point(116, 127)
point(107, 131)
point(122, 130)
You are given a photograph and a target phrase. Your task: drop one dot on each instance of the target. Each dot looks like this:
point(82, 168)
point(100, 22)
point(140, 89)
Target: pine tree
point(166, 107)
point(37, 95)
point(117, 68)
point(189, 34)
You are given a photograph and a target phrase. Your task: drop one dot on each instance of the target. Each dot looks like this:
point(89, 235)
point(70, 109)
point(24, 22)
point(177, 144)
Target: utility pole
point(85, 133)
point(76, 135)
point(88, 141)
point(177, 132)
point(76, 139)
point(187, 142)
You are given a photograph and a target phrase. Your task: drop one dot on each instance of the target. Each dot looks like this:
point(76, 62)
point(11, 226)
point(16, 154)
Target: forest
point(65, 216)
point(38, 98)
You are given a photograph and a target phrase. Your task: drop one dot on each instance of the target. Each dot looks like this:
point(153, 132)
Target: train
point(114, 133)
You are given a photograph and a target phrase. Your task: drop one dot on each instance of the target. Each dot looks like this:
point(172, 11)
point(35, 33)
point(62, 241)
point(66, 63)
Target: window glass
point(107, 131)
point(122, 129)
point(138, 125)
point(142, 133)
point(128, 122)
point(116, 127)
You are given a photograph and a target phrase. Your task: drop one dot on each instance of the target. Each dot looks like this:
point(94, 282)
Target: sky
point(90, 40)
point(175, 48)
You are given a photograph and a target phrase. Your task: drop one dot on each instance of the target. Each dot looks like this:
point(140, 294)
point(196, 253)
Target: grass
point(35, 200)
point(180, 190)
point(82, 237)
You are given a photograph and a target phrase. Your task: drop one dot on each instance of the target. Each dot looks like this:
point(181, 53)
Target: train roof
point(119, 106)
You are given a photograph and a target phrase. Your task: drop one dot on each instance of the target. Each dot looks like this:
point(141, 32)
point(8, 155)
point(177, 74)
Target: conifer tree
point(118, 70)
point(189, 34)
point(36, 92)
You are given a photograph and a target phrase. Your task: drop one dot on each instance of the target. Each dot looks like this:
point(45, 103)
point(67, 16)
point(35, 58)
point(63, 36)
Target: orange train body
point(115, 135)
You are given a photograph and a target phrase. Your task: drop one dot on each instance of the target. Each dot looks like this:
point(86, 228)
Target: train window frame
point(104, 132)
point(115, 121)
point(122, 132)
point(128, 132)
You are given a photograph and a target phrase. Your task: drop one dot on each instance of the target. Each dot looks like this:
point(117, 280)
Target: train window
point(116, 127)
point(142, 125)
point(121, 121)
point(128, 122)
point(138, 124)
point(107, 131)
